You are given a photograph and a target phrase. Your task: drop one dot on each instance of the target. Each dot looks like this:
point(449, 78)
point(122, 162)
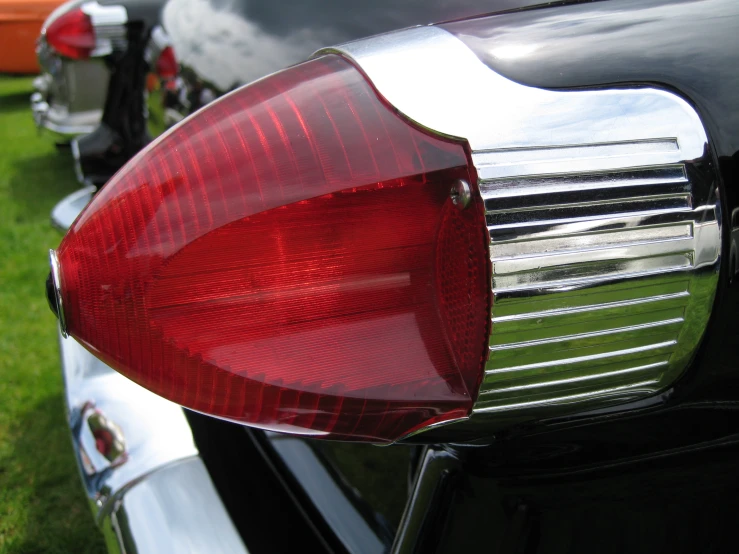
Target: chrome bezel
point(57, 282)
point(632, 152)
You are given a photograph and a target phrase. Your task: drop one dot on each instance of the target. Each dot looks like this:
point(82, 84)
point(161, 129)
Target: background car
point(267, 258)
point(91, 54)
point(20, 22)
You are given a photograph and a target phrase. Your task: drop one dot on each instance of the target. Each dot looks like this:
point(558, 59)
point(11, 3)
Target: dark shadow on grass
point(44, 463)
point(37, 184)
point(15, 101)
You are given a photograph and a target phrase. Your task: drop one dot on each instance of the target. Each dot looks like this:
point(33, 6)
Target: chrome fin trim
point(468, 100)
point(109, 22)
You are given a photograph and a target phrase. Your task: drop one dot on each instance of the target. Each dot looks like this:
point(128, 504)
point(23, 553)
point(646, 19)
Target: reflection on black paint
point(231, 42)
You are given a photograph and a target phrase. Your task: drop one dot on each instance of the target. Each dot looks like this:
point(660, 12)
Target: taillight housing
point(72, 34)
point(166, 65)
point(297, 257)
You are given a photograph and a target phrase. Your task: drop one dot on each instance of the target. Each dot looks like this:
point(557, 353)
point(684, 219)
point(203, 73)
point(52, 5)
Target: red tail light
point(290, 258)
point(72, 35)
point(166, 66)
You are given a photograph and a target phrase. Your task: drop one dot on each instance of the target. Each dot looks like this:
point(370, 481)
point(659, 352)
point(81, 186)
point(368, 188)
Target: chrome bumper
point(147, 486)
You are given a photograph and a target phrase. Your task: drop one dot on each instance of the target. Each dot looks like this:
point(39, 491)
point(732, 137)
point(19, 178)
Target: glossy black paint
point(327, 498)
point(229, 43)
point(685, 504)
point(266, 515)
point(690, 46)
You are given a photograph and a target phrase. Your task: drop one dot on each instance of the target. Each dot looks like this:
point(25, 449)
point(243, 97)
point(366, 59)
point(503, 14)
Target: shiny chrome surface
point(109, 22)
point(60, 120)
point(156, 431)
point(604, 221)
point(175, 509)
point(428, 502)
point(69, 207)
point(498, 114)
point(56, 280)
point(603, 284)
point(70, 94)
point(461, 194)
point(75, 148)
point(149, 491)
point(102, 443)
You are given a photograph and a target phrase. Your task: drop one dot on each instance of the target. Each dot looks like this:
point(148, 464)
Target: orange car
point(20, 25)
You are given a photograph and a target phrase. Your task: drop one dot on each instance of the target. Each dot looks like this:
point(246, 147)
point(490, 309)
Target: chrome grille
point(594, 275)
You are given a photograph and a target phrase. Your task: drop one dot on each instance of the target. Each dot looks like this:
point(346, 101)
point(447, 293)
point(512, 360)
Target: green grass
point(42, 504)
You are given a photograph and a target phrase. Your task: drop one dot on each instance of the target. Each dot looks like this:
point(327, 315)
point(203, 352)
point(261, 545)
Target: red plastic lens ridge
point(290, 258)
point(72, 35)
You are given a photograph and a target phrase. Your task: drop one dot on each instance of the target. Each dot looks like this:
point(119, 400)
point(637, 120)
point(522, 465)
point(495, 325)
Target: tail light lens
point(166, 66)
point(290, 258)
point(72, 34)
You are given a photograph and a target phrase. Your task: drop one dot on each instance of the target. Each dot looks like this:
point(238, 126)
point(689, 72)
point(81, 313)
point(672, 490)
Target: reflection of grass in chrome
point(42, 503)
point(379, 474)
point(598, 344)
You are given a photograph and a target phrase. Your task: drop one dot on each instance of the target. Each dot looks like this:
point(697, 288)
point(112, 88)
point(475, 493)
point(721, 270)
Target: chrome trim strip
point(56, 279)
point(604, 221)
point(75, 147)
point(73, 129)
point(566, 277)
point(607, 374)
point(617, 252)
point(588, 225)
point(680, 199)
point(647, 387)
point(643, 235)
point(592, 307)
point(580, 336)
point(496, 113)
point(506, 188)
point(580, 359)
point(494, 164)
point(581, 223)
point(430, 495)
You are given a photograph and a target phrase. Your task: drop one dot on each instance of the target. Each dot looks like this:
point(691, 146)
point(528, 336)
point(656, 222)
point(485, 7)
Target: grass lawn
point(42, 505)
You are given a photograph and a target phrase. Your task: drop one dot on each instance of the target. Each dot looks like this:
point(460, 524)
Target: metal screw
point(460, 194)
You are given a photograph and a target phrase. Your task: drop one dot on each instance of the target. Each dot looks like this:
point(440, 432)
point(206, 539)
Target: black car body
point(654, 471)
